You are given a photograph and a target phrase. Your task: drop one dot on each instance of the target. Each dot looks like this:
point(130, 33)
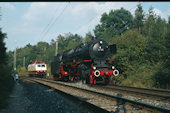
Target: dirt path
point(30, 97)
point(18, 101)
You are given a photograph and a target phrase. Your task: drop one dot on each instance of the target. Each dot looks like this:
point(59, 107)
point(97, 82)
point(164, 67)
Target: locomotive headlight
point(115, 72)
point(97, 73)
point(101, 42)
point(113, 67)
point(94, 67)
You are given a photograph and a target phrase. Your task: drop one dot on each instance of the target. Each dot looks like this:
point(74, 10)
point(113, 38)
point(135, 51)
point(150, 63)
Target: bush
point(6, 84)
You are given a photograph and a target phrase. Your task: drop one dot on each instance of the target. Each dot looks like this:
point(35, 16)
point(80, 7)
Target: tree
point(41, 50)
point(131, 48)
point(88, 37)
point(61, 43)
point(22, 71)
point(6, 81)
point(151, 13)
point(114, 23)
point(149, 23)
point(155, 28)
point(2, 47)
point(139, 16)
point(69, 41)
point(130, 58)
point(162, 76)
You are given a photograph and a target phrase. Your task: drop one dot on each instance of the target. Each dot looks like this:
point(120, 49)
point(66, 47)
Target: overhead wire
point(41, 34)
point(50, 26)
point(100, 14)
point(93, 17)
point(49, 22)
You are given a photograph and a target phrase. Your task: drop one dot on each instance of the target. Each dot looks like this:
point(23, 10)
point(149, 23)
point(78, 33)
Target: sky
point(32, 22)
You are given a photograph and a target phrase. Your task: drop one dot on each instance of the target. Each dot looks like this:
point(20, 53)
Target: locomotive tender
point(37, 69)
point(87, 62)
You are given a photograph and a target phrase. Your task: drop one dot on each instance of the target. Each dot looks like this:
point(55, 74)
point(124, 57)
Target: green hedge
point(6, 85)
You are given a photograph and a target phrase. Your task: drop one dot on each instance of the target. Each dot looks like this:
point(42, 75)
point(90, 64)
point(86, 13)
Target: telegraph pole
point(15, 57)
point(56, 48)
point(0, 14)
point(24, 62)
point(15, 60)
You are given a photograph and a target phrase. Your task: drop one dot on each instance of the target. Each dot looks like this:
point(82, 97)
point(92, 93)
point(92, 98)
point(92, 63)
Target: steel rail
point(163, 95)
point(131, 102)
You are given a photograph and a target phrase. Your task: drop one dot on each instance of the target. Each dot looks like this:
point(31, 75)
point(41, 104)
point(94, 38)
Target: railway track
point(155, 94)
point(100, 101)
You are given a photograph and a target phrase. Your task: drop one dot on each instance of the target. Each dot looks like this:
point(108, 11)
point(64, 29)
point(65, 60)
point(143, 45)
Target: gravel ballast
point(111, 92)
point(30, 97)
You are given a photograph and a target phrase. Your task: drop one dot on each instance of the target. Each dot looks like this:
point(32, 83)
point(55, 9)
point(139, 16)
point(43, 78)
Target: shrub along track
point(97, 101)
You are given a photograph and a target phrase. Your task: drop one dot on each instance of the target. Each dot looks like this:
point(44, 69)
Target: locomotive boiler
point(87, 62)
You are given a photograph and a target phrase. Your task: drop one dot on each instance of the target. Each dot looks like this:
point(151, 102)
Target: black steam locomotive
point(87, 62)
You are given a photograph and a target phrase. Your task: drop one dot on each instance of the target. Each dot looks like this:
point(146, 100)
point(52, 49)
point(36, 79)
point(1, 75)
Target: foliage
point(22, 71)
point(114, 23)
point(68, 42)
point(162, 77)
point(143, 58)
point(2, 48)
point(88, 37)
point(156, 41)
point(139, 17)
point(6, 81)
point(131, 49)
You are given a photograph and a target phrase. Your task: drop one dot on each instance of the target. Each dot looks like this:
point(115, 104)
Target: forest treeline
point(6, 80)
point(143, 42)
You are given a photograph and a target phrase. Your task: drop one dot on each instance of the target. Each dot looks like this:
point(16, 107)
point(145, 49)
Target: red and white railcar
point(37, 69)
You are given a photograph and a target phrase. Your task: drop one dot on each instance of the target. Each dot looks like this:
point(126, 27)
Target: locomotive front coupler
point(105, 76)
